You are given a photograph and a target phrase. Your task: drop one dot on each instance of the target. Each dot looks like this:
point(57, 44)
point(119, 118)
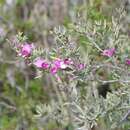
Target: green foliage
point(20, 2)
point(2, 2)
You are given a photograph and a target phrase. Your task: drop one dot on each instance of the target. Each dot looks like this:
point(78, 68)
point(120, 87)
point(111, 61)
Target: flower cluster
point(25, 50)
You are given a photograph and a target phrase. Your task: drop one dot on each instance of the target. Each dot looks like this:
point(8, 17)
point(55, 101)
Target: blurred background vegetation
point(20, 91)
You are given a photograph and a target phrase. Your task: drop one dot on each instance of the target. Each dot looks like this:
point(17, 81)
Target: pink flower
point(26, 50)
point(68, 61)
point(81, 66)
point(108, 52)
point(58, 78)
point(59, 63)
point(53, 70)
point(41, 63)
point(127, 61)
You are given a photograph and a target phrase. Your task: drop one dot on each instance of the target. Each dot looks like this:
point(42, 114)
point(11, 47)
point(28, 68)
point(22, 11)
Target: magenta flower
point(68, 61)
point(108, 52)
point(41, 63)
point(26, 50)
point(81, 66)
point(53, 70)
point(127, 61)
point(58, 78)
point(59, 63)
